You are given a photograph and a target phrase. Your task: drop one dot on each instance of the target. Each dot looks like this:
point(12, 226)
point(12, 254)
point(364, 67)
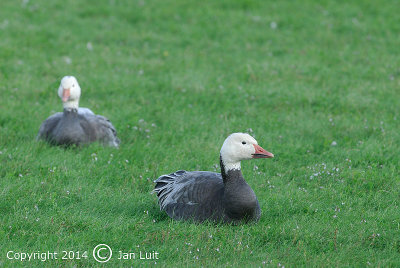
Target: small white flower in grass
point(273, 25)
point(67, 192)
point(153, 125)
point(126, 160)
point(37, 219)
point(215, 167)
point(141, 120)
point(20, 175)
point(154, 220)
point(89, 46)
point(334, 143)
point(36, 207)
point(67, 60)
point(42, 182)
point(4, 24)
point(217, 249)
point(141, 72)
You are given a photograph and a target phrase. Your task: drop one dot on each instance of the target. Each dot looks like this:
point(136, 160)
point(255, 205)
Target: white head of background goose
point(69, 91)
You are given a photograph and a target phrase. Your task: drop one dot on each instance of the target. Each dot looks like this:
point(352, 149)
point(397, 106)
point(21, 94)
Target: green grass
point(300, 74)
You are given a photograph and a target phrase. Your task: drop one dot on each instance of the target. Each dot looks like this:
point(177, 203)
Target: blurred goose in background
point(218, 197)
point(76, 125)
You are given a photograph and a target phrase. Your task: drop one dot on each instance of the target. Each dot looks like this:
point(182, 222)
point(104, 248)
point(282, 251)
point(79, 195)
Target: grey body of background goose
point(219, 197)
point(76, 125)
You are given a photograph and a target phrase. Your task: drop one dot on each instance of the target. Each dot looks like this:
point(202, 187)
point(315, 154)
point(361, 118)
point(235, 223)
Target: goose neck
point(71, 104)
point(230, 172)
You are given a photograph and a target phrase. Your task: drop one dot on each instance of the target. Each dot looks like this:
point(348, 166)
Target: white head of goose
point(69, 91)
point(75, 125)
point(217, 197)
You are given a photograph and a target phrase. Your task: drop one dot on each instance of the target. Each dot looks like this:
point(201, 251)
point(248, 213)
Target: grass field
point(176, 78)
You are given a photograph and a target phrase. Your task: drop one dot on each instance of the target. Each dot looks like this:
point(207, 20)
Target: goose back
point(192, 195)
point(72, 127)
point(202, 195)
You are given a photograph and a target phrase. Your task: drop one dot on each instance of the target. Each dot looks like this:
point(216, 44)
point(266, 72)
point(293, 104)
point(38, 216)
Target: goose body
point(85, 111)
point(76, 126)
point(209, 196)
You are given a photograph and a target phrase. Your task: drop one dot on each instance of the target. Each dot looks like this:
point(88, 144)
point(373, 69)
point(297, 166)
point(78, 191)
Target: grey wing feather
point(48, 126)
point(185, 195)
point(105, 131)
point(85, 111)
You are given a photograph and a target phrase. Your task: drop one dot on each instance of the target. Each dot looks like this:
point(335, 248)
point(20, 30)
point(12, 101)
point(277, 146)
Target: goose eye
point(73, 85)
point(243, 142)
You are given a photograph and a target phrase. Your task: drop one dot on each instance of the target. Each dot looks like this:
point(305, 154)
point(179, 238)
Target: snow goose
point(218, 197)
point(76, 125)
